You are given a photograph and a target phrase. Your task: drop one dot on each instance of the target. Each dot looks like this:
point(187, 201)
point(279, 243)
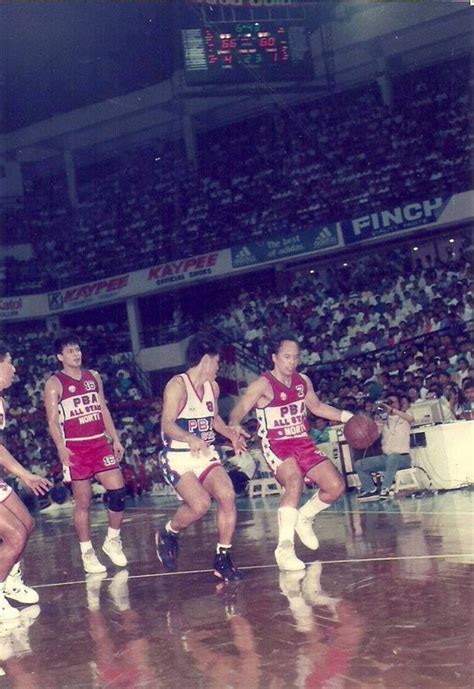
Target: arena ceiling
point(59, 56)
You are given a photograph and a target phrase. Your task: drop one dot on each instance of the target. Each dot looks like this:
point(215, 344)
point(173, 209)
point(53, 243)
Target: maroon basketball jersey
point(80, 413)
point(285, 416)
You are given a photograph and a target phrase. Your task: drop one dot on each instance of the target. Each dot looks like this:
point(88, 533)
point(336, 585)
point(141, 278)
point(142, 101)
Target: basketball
point(361, 431)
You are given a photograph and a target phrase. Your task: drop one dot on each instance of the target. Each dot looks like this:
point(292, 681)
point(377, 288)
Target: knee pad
point(116, 499)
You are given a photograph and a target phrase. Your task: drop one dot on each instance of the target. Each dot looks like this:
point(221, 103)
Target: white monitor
point(426, 413)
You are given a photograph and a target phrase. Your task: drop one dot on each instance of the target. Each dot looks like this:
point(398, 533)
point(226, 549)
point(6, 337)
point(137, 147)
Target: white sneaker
point(91, 563)
point(16, 589)
point(7, 612)
point(113, 548)
point(286, 557)
point(304, 529)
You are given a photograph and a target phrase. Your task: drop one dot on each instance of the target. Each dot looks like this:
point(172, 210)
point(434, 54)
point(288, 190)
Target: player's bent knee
point(226, 498)
point(15, 538)
point(201, 507)
point(337, 489)
point(116, 499)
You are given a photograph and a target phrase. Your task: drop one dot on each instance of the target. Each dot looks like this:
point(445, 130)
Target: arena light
point(312, 271)
point(451, 241)
point(415, 248)
point(344, 265)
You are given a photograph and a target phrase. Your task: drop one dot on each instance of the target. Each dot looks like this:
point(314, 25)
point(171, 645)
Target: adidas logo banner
point(295, 244)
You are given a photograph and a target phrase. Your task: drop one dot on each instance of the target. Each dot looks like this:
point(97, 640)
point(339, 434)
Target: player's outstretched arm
point(255, 392)
point(322, 409)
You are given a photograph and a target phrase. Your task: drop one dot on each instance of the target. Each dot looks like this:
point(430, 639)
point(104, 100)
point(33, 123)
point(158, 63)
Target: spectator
point(395, 432)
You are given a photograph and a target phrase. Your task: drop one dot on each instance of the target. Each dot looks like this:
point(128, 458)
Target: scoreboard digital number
point(240, 52)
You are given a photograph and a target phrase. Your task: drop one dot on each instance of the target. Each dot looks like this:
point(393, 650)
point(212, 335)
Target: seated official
point(395, 437)
point(467, 411)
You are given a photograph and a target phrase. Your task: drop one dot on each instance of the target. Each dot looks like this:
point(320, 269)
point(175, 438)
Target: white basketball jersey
point(196, 416)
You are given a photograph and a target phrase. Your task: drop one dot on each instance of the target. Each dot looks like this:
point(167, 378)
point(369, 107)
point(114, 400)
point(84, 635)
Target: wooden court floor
point(385, 603)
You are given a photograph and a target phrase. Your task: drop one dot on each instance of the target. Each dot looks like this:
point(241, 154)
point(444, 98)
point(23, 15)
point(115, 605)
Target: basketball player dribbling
point(280, 398)
point(189, 461)
point(16, 523)
point(79, 419)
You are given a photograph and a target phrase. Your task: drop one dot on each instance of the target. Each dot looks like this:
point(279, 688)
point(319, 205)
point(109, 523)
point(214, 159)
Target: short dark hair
point(4, 350)
point(278, 339)
point(393, 394)
point(468, 384)
point(199, 346)
point(64, 340)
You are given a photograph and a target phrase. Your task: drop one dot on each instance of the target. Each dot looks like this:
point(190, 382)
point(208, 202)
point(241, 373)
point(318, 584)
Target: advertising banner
point(304, 242)
point(106, 290)
point(378, 223)
point(24, 307)
point(429, 213)
point(183, 271)
point(95, 292)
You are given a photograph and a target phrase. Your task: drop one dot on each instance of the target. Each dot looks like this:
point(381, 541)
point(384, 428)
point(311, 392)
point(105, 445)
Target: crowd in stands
point(388, 326)
point(281, 171)
point(377, 304)
point(384, 327)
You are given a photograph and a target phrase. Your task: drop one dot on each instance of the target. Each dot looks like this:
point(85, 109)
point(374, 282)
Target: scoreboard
point(246, 52)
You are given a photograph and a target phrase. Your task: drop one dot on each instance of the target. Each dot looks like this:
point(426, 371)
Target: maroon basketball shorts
point(89, 457)
point(303, 450)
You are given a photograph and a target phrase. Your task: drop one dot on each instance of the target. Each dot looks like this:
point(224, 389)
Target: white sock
point(169, 529)
point(287, 517)
point(113, 533)
point(222, 546)
point(313, 506)
point(85, 546)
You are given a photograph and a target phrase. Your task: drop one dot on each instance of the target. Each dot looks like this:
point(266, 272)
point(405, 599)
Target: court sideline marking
point(389, 558)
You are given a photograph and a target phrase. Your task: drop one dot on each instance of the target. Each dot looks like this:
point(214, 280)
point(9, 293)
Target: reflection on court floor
point(387, 604)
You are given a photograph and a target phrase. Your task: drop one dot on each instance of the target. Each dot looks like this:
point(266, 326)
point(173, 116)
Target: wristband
point(346, 415)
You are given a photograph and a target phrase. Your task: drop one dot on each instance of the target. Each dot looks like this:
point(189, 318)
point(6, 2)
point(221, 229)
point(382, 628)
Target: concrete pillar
point(71, 177)
point(134, 324)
